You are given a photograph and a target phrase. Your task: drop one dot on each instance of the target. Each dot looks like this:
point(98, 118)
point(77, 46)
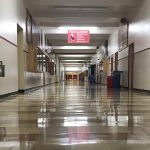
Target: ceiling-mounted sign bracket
point(2, 69)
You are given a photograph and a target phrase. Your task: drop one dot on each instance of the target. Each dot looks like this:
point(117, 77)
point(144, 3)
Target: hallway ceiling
point(103, 15)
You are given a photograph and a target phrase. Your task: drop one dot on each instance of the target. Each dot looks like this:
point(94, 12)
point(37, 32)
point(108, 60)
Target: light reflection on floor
point(75, 116)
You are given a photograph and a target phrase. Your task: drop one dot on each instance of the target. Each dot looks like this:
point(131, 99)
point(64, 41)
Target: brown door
point(75, 77)
point(116, 61)
point(131, 66)
point(69, 77)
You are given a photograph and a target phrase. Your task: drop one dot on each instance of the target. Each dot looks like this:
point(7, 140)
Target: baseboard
point(141, 90)
point(137, 90)
point(23, 91)
point(8, 94)
point(125, 87)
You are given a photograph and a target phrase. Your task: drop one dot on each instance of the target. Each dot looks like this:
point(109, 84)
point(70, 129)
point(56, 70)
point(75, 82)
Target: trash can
point(109, 81)
point(116, 75)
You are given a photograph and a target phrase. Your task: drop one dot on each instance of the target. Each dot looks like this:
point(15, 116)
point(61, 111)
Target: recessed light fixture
point(65, 29)
point(72, 60)
point(78, 28)
point(80, 8)
point(74, 47)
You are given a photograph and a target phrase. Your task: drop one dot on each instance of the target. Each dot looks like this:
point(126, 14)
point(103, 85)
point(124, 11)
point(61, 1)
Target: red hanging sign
point(78, 36)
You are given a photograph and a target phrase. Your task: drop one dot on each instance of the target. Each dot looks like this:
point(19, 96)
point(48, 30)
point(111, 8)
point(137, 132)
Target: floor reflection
point(73, 115)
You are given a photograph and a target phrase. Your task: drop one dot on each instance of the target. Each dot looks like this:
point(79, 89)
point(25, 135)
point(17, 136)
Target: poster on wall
point(28, 27)
point(78, 36)
point(123, 37)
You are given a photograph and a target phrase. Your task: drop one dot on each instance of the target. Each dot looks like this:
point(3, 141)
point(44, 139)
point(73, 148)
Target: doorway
point(112, 63)
point(20, 58)
point(131, 66)
point(116, 61)
point(74, 77)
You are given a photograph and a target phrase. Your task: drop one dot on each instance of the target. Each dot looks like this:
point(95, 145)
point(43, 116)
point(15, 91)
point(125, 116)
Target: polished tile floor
point(75, 116)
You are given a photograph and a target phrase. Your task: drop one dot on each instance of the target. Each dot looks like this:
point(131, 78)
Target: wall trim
point(123, 58)
point(8, 41)
point(142, 51)
point(26, 51)
point(23, 91)
point(32, 89)
point(8, 94)
point(141, 90)
point(124, 87)
point(123, 48)
point(135, 53)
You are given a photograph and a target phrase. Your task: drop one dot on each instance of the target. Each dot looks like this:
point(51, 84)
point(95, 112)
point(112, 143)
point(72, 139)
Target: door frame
point(116, 61)
point(112, 63)
point(21, 60)
point(131, 66)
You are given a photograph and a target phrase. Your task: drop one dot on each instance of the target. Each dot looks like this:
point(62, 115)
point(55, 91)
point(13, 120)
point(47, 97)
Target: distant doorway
point(74, 77)
point(69, 77)
point(131, 66)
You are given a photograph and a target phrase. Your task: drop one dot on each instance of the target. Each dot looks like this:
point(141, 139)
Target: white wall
point(142, 70)
point(62, 72)
point(113, 43)
point(8, 54)
point(8, 19)
point(139, 33)
point(122, 56)
point(8, 50)
point(13, 12)
point(123, 66)
point(98, 57)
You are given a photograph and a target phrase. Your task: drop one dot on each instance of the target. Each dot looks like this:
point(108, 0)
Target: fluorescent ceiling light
point(74, 47)
point(72, 65)
point(77, 28)
point(64, 28)
point(91, 29)
point(79, 64)
point(74, 56)
point(80, 8)
point(73, 60)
